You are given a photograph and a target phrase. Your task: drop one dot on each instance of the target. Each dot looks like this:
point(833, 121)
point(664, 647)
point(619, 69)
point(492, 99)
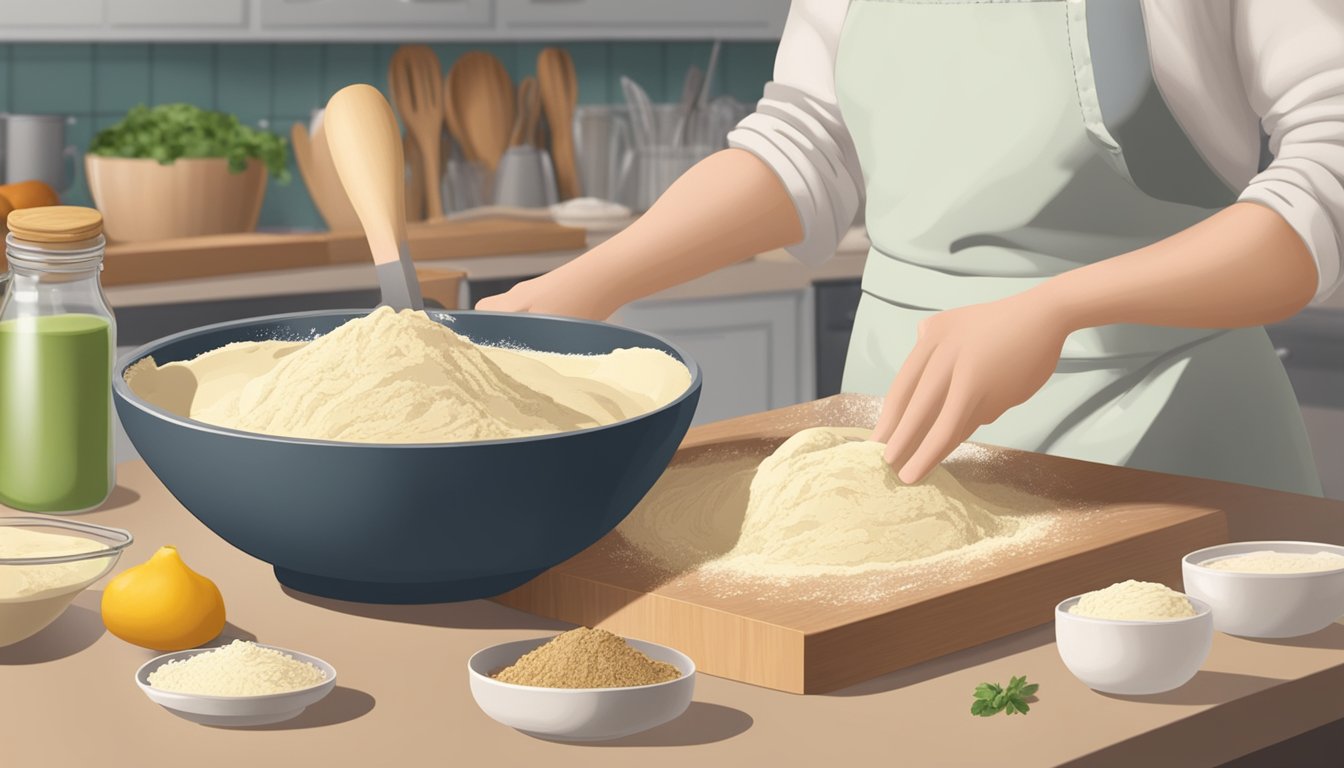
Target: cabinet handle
point(1283, 352)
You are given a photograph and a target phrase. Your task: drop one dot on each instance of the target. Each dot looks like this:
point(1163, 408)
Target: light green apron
point(988, 171)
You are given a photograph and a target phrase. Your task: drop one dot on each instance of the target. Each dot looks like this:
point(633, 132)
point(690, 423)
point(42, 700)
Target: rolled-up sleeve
point(1291, 56)
point(797, 129)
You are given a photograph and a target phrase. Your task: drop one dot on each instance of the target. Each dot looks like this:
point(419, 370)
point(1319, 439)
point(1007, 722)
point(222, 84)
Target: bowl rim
point(1205, 554)
point(123, 389)
point(142, 675)
point(1202, 611)
point(119, 539)
point(687, 673)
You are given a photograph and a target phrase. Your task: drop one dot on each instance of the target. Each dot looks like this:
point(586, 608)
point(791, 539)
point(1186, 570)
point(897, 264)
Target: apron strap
point(1127, 114)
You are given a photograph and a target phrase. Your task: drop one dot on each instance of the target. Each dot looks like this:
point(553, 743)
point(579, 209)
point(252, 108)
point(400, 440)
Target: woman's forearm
point(1243, 266)
point(727, 208)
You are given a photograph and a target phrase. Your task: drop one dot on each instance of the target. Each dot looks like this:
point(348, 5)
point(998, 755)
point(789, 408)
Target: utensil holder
point(655, 168)
point(525, 178)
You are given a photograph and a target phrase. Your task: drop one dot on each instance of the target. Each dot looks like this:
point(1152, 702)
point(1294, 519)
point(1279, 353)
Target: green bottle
point(57, 341)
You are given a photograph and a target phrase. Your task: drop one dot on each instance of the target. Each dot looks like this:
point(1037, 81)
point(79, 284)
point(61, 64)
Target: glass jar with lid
point(57, 343)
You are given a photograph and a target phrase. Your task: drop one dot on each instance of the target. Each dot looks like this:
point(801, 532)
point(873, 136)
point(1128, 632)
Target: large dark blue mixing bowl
point(408, 523)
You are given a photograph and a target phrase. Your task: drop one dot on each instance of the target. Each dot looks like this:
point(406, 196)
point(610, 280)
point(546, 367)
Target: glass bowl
point(35, 589)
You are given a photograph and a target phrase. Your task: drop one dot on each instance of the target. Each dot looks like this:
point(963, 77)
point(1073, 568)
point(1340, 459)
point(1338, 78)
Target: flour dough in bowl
point(402, 377)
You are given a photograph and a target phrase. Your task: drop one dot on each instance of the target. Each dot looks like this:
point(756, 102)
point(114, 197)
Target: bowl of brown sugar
point(581, 685)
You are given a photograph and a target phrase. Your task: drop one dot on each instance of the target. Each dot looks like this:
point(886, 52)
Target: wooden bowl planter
point(143, 200)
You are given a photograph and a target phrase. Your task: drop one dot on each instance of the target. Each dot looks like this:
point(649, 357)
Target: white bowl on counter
point(1133, 658)
point(236, 711)
point(1266, 604)
point(579, 714)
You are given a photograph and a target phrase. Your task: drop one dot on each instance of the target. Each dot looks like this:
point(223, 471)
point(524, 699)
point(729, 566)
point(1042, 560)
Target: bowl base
point(238, 721)
point(399, 593)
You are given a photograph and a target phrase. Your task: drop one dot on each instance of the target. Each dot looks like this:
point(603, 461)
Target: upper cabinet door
point(52, 13)
point(648, 18)
point(159, 13)
point(432, 14)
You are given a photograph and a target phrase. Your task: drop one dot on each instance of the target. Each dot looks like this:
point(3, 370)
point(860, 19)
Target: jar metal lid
point(55, 224)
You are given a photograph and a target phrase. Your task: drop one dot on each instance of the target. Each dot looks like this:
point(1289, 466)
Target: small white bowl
point(579, 714)
point(1266, 604)
point(235, 711)
point(1133, 658)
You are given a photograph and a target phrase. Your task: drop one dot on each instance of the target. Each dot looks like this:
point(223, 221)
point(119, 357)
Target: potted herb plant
point(176, 170)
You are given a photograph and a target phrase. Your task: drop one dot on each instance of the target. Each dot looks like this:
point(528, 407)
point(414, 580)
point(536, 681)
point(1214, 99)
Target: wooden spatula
point(416, 81)
point(559, 95)
point(482, 103)
point(319, 176)
point(529, 111)
point(366, 149)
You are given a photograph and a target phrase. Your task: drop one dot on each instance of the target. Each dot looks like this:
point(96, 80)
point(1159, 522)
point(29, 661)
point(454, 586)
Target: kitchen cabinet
point(755, 351)
point(49, 13)
point(1311, 346)
point(389, 20)
point(151, 13)
point(837, 303)
point(646, 18)
point(414, 14)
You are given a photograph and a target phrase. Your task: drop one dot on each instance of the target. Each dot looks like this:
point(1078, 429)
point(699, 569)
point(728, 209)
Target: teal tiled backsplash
point(279, 84)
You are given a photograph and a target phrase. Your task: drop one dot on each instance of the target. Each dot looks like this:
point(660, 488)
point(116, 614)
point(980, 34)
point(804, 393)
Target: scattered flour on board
point(827, 517)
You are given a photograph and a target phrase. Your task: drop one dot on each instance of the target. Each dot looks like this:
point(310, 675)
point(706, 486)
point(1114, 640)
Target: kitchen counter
point(770, 272)
point(402, 696)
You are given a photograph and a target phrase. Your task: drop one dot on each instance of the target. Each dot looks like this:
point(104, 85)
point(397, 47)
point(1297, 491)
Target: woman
point(1064, 259)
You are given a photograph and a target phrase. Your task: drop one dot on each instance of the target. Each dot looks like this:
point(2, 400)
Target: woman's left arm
point(1258, 261)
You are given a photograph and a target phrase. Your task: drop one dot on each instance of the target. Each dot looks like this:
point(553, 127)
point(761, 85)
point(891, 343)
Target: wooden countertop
point(771, 272)
point(403, 699)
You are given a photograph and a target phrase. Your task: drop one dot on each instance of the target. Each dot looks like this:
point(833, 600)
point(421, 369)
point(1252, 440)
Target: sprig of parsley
point(169, 131)
point(992, 698)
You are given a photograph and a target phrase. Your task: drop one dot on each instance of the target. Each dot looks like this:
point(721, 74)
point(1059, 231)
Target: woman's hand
point(968, 366)
point(555, 293)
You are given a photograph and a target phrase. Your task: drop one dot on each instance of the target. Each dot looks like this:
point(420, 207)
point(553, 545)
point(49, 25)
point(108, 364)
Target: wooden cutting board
point(216, 255)
point(1115, 524)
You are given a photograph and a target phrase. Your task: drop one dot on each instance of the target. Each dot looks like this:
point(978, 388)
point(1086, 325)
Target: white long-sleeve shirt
point(1225, 68)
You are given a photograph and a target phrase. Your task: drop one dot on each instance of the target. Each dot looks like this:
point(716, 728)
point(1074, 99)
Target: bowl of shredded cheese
point(1134, 637)
point(45, 563)
point(1268, 588)
point(239, 684)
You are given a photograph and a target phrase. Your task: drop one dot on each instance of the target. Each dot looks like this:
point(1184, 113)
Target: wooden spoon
point(529, 112)
point(415, 181)
point(416, 82)
point(481, 93)
point(319, 176)
point(455, 128)
point(559, 95)
point(366, 149)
